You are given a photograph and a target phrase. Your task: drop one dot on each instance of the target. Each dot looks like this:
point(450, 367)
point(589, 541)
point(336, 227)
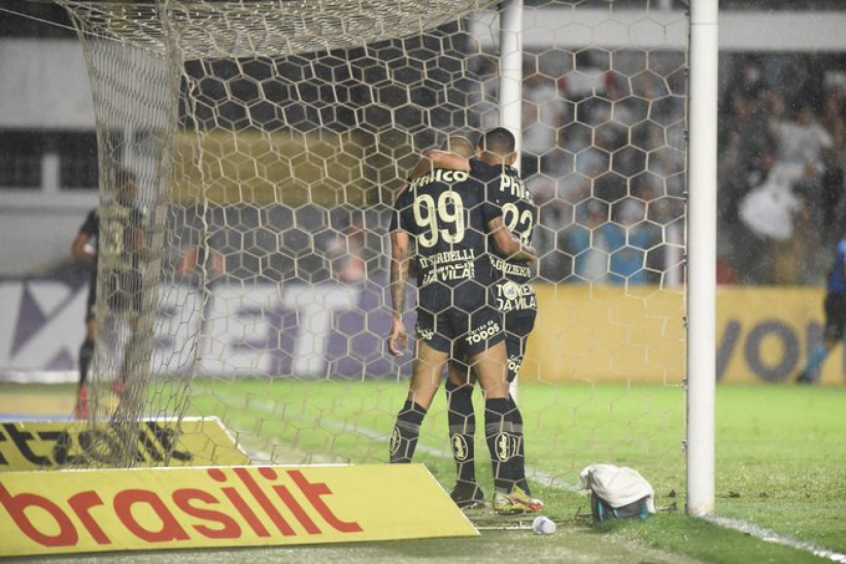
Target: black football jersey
point(115, 235)
point(447, 212)
point(519, 213)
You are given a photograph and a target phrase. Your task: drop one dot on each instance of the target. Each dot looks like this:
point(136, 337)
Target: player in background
point(123, 251)
point(84, 247)
point(448, 216)
point(115, 231)
point(835, 317)
point(515, 298)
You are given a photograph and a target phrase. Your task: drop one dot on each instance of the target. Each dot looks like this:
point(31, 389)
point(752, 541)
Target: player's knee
point(458, 378)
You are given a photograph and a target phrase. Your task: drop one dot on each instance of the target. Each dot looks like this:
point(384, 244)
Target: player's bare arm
point(400, 255)
point(436, 158)
point(82, 248)
point(507, 244)
point(446, 159)
point(424, 166)
point(454, 156)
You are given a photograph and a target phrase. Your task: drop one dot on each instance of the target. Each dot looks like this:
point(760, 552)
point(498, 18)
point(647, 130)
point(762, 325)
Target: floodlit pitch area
point(256, 286)
point(781, 460)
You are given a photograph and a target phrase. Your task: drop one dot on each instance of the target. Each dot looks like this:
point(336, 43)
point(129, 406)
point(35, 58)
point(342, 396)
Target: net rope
point(268, 29)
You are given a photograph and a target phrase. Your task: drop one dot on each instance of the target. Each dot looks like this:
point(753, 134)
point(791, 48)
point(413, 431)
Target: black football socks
point(406, 432)
point(503, 439)
point(462, 429)
point(86, 355)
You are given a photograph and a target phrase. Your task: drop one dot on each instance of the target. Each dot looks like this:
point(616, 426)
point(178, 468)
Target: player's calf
point(502, 439)
point(462, 429)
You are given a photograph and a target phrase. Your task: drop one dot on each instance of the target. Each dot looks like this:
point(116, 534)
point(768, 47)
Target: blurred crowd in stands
point(604, 155)
point(604, 152)
point(781, 169)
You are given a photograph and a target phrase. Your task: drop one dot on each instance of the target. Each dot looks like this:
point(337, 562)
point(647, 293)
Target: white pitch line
point(557, 483)
point(770, 536)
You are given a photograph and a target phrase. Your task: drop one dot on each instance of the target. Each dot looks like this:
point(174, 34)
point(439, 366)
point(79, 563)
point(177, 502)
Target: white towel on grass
point(619, 486)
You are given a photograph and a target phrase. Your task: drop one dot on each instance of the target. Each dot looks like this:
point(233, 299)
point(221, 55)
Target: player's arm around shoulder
point(507, 244)
point(433, 159)
point(446, 160)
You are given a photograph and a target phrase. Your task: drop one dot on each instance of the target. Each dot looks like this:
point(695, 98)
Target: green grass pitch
point(781, 467)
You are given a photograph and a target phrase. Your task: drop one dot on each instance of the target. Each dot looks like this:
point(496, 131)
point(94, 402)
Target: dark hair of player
point(498, 141)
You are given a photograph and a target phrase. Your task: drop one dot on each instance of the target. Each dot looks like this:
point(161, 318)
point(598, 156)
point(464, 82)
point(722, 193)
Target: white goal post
point(702, 258)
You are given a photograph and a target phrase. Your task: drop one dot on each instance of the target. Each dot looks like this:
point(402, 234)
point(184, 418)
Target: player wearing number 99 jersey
point(449, 217)
point(514, 298)
point(446, 213)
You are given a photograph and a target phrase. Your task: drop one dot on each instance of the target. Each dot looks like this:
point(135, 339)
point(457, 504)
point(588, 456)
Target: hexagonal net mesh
point(267, 143)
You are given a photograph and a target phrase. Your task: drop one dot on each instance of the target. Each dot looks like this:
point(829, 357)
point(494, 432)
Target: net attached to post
point(267, 141)
point(215, 114)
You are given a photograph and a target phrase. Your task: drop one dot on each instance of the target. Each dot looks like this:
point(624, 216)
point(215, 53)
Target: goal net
point(266, 142)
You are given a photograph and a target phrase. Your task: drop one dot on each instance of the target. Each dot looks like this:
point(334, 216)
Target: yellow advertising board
point(42, 445)
point(606, 334)
point(79, 511)
point(613, 334)
point(765, 334)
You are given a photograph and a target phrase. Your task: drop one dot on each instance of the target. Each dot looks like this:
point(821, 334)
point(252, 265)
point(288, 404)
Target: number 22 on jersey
point(512, 217)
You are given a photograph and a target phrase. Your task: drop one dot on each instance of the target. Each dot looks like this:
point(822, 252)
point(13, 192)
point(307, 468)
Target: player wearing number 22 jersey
point(514, 294)
point(515, 298)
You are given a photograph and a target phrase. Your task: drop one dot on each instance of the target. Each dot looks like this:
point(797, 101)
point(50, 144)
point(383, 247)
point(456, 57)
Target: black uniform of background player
point(85, 247)
point(123, 245)
point(121, 221)
point(123, 277)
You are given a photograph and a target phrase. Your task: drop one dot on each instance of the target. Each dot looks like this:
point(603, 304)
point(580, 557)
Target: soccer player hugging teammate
point(515, 298)
point(450, 215)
